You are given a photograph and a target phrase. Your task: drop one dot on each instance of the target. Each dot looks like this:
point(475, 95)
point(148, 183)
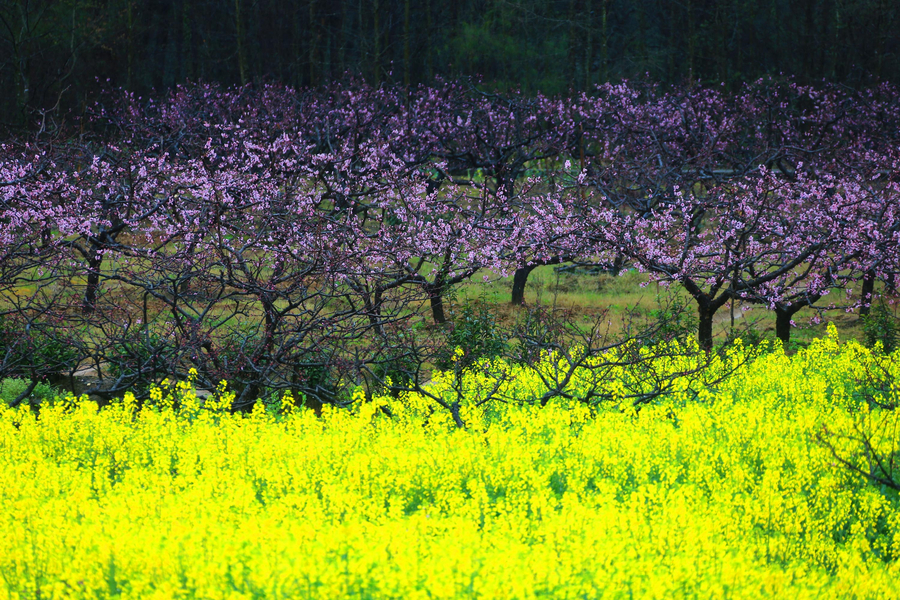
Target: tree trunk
point(267, 299)
point(406, 55)
point(604, 43)
point(313, 43)
point(783, 324)
point(93, 282)
point(373, 310)
point(705, 326)
point(868, 291)
point(436, 297)
point(457, 418)
point(617, 265)
point(520, 278)
point(588, 51)
point(187, 42)
point(376, 56)
point(241, 55)
point(784, 314)
point(129, 52)
point(692, 41)
point(574, 47)
point(429, 67)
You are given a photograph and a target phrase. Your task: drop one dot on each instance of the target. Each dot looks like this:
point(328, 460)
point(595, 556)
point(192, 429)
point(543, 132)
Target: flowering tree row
point(287, 239)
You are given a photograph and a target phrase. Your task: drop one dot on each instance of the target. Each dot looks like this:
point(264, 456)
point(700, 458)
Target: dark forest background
point(59, 53)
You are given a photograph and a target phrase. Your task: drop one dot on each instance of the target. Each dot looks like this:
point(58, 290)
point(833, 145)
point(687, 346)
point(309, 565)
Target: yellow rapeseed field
point(725, 494)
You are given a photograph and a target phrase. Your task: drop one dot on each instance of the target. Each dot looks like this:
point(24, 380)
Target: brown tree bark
point(241, 51)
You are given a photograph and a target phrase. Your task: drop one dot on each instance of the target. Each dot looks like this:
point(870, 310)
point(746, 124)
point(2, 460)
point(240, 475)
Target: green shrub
point(142, 356)
point(750, 338)
point(536, 330)
point(674, 319)
point(11, 388)
point(398, 367)
point(36, 346)
point(477, 331)
point(880, 326)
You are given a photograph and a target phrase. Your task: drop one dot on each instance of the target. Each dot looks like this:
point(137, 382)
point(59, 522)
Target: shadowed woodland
point(59, 53)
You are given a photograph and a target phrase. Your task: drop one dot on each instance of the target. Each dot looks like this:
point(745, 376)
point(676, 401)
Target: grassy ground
point(616, 301)
point(589, 295)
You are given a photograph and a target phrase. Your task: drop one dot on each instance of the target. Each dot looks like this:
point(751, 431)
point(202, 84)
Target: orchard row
point(287, 239)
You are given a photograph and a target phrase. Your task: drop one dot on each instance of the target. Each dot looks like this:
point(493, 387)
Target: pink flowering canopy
point(289, 238)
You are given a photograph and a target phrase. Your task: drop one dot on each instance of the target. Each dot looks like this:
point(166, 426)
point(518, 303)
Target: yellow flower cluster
point(723, 495)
